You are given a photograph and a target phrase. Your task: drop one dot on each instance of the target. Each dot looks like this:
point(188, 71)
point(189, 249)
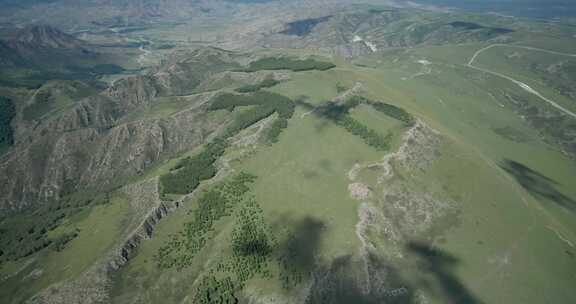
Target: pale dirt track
point(522, 85)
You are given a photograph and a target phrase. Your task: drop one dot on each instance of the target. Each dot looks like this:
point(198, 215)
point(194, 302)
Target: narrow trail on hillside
point(516, 46)
point(522, 85)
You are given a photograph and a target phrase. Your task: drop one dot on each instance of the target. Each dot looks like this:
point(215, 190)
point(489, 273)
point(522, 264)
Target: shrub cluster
point(276, 129)
point(394, 112)
point(282, 104)
point(248, 118)
point(61, 241)
point(252, 243)
point(188, 173)
point(27, 232)
point(266, 104)
point(340, 88)
point(7, 113)
point(250, 88)
point(370, 137)
point(285, 63)
point(340, 116)
point(212, 290)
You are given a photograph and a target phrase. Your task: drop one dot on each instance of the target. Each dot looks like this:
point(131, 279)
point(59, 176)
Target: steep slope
point(86, 145)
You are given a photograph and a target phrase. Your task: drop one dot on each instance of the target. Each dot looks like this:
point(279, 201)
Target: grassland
point(266, 192)
point(98, 229)
point(469, 112)
point(293, 182)
point(302, 182)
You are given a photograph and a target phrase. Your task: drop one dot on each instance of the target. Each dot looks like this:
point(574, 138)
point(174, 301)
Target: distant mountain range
point(521, 8)
point(48, 37)
point(32, 45)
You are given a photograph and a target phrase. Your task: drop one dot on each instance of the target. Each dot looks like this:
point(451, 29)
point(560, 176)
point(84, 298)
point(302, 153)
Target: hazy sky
point(527, 8)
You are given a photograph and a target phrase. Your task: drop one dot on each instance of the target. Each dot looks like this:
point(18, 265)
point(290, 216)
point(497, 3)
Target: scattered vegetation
point(28, 232)
point(212, 290)
point(61, 241)
point(181, 248)
point(276, 129)
point(340, 88)
point(7, 113)
point(252, 242)
point(285, 63)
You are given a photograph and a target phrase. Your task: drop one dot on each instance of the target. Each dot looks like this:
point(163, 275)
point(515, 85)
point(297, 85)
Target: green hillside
point(355, 154)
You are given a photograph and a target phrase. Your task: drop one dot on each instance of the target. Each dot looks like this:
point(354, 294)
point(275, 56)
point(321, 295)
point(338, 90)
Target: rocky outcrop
point(398, 209)
point(144, 232)
point(92, 286)
point(133, 91)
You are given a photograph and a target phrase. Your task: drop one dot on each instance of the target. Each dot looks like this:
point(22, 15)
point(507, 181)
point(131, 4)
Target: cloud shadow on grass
point(537, 184)
point(441, 265)
point(299, 251)
point(344, 281)
point(369, 280)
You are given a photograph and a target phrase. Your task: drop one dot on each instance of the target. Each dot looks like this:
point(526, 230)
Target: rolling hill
point(275, 152)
